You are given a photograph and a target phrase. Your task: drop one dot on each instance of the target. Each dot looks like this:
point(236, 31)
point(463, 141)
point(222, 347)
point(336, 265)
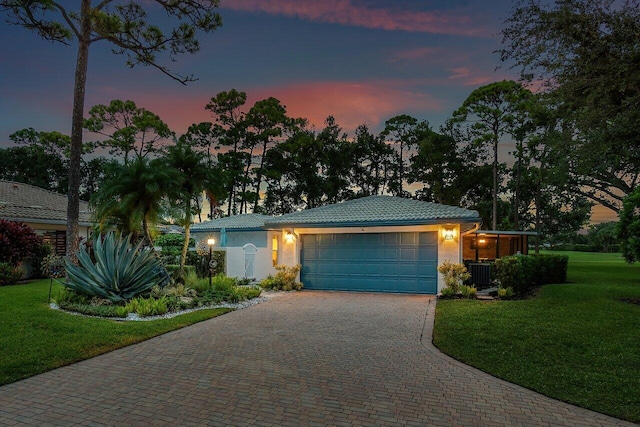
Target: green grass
point(36, 339)
point(577, 342)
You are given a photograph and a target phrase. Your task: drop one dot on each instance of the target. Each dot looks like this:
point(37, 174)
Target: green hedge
point(526, 272)
point(173, 240)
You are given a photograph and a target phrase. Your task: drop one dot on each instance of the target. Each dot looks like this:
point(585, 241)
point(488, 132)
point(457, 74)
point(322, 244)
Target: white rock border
point(264, 296)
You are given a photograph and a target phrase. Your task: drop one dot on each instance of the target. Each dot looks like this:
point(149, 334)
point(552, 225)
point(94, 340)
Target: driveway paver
point(307, 358)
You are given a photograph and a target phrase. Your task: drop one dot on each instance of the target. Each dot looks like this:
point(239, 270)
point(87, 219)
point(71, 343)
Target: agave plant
point(121, 270)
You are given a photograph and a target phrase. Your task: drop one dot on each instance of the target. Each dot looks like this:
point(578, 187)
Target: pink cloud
point(469, 77)
point(480, 80)
point(352, 104)
point(348, 12)
point(459, 72)
point(413, 54)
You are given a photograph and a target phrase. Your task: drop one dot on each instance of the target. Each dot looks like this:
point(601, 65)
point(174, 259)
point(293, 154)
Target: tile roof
point(376, 211)
point(24, 202)
point(235, 222)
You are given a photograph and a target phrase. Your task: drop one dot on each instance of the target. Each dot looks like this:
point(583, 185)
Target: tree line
point(259, 159)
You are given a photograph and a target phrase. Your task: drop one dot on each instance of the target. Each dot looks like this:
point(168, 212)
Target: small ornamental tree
point(454, 274)
point(17, 242)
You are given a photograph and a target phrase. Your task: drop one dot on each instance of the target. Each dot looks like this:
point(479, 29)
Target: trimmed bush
point(455, 274)
point(554, 266)
point(284, 280)
point(172, 240)
point(448, 292)
point(468, 292)
point(17, 242)
point(505, 293)
point(523, 273)
point(9, 274)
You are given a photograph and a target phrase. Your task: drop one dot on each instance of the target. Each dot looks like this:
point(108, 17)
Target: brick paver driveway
point(309, 358)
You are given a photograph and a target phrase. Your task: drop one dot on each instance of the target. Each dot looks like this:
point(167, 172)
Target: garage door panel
point(375, 262)
point(409, 254)
point(391, 238)
point(408, 269)
point(373, 253)
point(428, 238)
point(409, 238)
point(391, 254)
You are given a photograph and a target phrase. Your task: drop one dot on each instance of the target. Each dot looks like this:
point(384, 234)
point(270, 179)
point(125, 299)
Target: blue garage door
point(379, 262)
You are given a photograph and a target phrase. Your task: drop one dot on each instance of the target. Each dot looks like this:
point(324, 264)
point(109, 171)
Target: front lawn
point(578, 342)
point(36, 339)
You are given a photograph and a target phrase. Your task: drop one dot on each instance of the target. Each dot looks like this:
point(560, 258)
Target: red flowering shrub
point(17, 242)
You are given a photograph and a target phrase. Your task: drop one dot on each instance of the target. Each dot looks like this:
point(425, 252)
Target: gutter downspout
point(475, 228)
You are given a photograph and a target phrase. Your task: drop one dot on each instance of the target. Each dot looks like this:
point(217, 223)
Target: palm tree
point(129, 198)
point(194, 176)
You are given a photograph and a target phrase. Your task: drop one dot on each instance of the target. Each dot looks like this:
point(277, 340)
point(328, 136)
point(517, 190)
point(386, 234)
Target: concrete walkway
point(309, 358)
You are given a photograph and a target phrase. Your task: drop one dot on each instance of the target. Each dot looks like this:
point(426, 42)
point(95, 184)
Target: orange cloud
point(352, 104)
point(346, 12)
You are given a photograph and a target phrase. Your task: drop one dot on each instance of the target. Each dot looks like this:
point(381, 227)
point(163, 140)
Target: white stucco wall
point(235, 257)
point(450, 250)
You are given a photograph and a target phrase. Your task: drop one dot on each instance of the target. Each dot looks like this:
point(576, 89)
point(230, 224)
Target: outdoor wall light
point(289, 237)
point(449, 233)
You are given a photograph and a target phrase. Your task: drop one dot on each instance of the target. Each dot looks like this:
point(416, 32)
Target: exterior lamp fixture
point(289, 237)
point(449, 234)
point(210, 242)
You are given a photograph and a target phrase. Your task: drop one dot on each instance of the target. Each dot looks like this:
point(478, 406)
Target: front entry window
point(274, 251)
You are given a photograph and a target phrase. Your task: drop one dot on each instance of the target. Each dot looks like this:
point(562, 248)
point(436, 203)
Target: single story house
point(43, 210)
point(375, 244)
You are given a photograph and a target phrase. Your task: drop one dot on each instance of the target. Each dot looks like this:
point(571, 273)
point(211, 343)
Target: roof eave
point(384, 223)
point(227, 229)
point(507, 232)
point(46, 221)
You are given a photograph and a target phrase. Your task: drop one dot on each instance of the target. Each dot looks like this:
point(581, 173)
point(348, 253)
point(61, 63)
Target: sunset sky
point(362, 61)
